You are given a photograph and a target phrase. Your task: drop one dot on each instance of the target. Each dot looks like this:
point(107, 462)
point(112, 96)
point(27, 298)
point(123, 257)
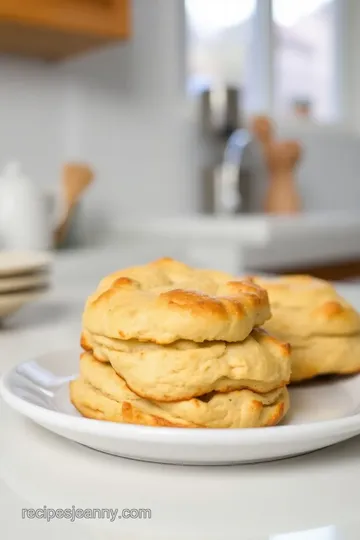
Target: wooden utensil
point(75, 180)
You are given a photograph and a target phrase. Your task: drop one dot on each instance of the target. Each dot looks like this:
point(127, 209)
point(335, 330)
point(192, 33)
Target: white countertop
point(247, 229)
point(265, 241)
point(316, 495)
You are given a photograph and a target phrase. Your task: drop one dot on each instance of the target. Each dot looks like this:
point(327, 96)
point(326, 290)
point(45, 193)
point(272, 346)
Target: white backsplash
point(329, 173)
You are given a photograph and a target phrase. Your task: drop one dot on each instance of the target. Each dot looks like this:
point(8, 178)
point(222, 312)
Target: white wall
point(352, 64)
point(328, 174)
point(124, 111)
point(126, 115)
point(31, 111)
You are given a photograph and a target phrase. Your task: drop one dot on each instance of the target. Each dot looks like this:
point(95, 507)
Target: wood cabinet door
point(102, 18)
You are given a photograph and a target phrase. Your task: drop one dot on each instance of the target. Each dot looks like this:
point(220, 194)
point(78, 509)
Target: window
point(219, 40)
point(281, 51)
point(304, 58)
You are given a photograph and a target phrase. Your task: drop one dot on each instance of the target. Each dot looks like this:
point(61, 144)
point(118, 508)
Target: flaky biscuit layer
point(100, 393)
point(186, 369)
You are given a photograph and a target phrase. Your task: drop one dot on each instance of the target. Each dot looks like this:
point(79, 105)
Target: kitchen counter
point(252, 241)
point(316, 495)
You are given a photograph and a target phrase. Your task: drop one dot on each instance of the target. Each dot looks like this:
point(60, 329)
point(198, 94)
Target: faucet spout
point(231, 172)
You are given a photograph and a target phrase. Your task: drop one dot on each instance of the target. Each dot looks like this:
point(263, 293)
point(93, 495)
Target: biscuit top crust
point(308, 306)
point(167, 300)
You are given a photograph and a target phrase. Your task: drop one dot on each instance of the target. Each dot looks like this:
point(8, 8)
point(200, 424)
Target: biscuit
point(166, 301)
point(303, 306)
point(330, 355)
point(322, 328)
point(186, 369)
point(100, 393)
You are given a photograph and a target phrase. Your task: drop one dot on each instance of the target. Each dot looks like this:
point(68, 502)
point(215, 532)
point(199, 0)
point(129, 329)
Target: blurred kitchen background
point(223, 132)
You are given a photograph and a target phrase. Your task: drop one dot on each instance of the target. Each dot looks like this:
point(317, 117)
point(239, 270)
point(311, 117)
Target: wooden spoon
point(76, 178)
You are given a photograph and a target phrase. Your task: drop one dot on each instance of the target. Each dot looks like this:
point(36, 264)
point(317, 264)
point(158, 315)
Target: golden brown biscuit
point(322, 328)
point(303, 306)
point(186, 369)
point(100, 393)
point(166, 301)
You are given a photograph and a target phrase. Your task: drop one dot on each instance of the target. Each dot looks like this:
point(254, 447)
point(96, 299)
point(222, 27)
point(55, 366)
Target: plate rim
point(37, 260)
point(23, 282)
point(279, 434)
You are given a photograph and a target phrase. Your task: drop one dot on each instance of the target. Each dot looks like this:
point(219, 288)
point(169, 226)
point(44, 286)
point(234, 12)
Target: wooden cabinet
point(57, 29)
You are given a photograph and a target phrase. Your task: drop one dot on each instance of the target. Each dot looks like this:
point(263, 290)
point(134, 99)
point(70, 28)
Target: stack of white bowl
point(24, 276)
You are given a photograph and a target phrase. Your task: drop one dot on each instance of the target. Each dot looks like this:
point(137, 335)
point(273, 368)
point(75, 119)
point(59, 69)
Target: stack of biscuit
point(322, 328)
point(170, 345)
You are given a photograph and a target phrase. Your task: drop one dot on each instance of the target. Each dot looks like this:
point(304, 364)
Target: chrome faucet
point(238, 180)
point(236, 173)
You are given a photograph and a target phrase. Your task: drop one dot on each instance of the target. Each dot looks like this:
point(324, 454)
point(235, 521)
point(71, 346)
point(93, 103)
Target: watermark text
point(72, 513)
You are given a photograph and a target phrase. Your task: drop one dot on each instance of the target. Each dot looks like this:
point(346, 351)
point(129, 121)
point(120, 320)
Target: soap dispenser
point(24, 220)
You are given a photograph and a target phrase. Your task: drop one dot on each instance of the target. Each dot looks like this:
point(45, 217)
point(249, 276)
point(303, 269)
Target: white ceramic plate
point(14, 263)
point(322, 414)
point(24, 282)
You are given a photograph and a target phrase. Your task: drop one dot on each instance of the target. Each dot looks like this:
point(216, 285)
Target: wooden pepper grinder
point(282, 195)
point(281, 159)
point(263, 130)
